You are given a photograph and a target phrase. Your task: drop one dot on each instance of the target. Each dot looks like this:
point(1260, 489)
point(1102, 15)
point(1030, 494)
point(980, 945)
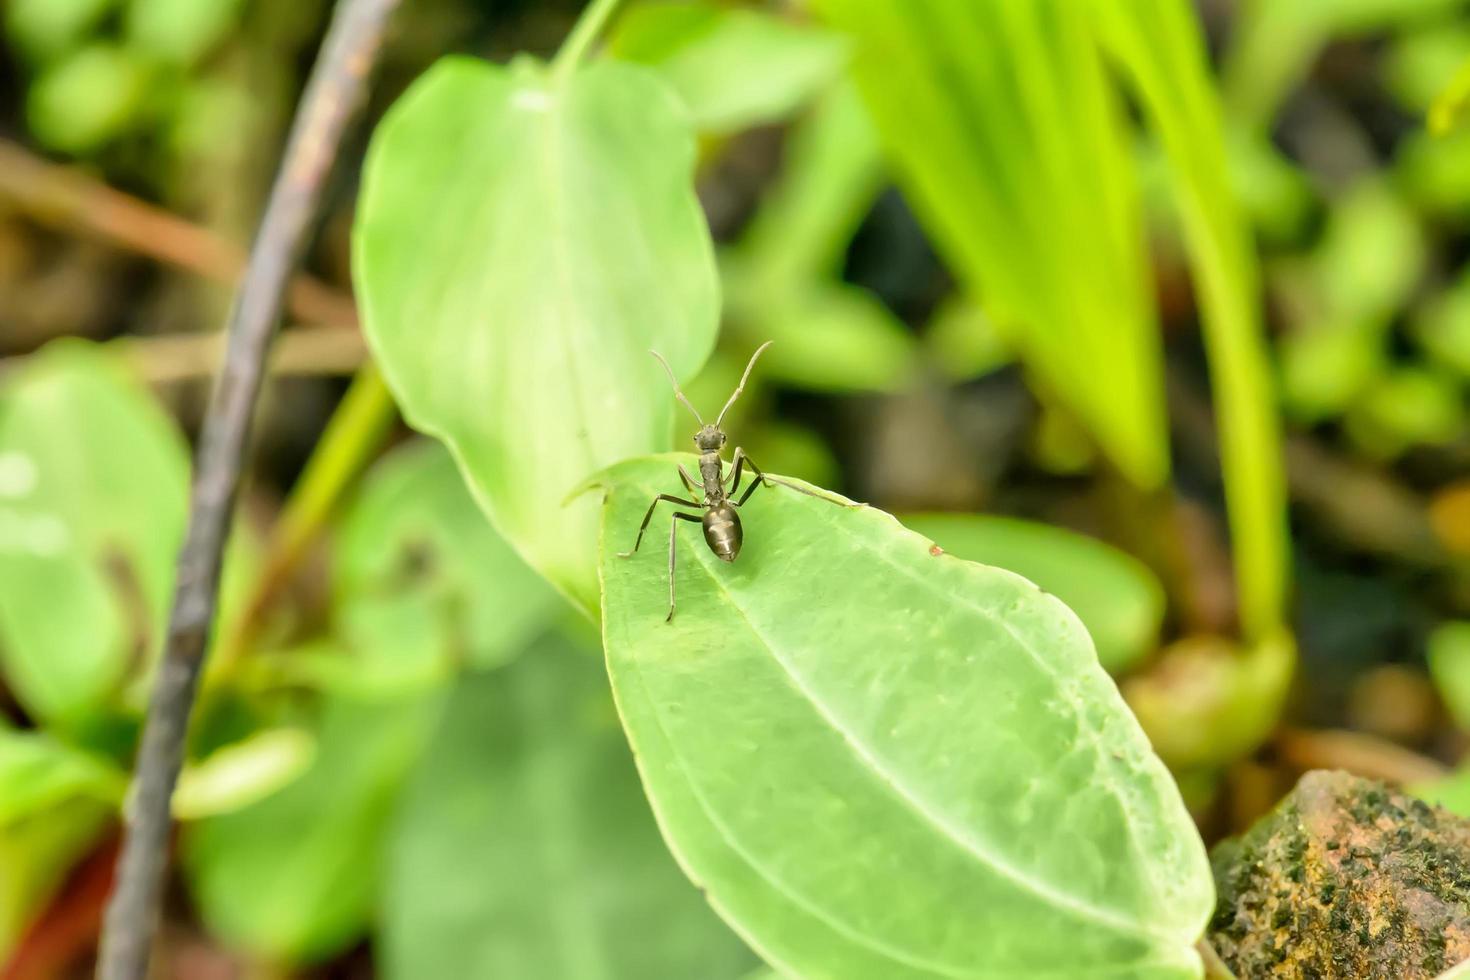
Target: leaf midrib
point(910, 799)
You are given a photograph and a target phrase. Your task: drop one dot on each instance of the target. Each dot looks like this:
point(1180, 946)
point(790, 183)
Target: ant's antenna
point(677, 393)
point(741, 386)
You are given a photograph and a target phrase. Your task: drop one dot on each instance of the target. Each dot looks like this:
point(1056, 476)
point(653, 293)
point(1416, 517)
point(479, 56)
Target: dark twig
point(337, 85)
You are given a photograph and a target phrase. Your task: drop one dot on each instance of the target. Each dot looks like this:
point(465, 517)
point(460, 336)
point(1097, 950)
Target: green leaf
point(1116, 596)
point(732, 68)
point(1451, 792)
point(1450, 105)
point(1442, 328)
point(54, 802)
point(782, 279)
point(1434, 172)
point(1422, 64)
point(92, 96)
point(93, 491)
point(38, 772)
point(883, 761)
point(525, 847)
point(963, 342)
point(1160, 48)
point(831, 172)
point(178, 31)
point(423, 582)
point(1007, 140)
point(43, 30)
point(1407, 407)
point(295, 876)
point(1449, 665)
point(1272, 189)
point(521, 242)
point(1275, 42)
point(1372, 253)
point(1325, 368)
point(35, 856)
point(238, 775)
point(793, 449)
point(829, 338)
point(1209, 702)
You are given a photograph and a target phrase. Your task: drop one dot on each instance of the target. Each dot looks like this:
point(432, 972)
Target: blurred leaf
point(36, 853)
point(238, 775)
point(810, 760)
point(92, 96)
point(828, 338)
point(1116, 596)
point(37, 773)
point(178, 31)
point(1272, 189)
point(1058, 444)
point(1207, 703)
point(963, 342)
point(93, 491)
point(1324, 369)
point(1434, 172)
point(831, 172)
point(1407, 407)
point(1008, 143)
point(788, 448)
point(1449, 664)
point(295, 876)
point(54, 802)
point(1159, 46)
point(1453, 793)
point(423, 582)
point(1371, 255)
point(782, 279)
point(732, 68)
point(1421, 65)
point(525, 847)
point(214, 119)
point(1275, 43)
point(1442, 328)
point(1449, 107)
point(43, 30)
point(522, 239)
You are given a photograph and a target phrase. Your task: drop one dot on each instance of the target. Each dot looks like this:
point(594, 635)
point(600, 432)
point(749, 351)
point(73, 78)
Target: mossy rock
point(1345, 878)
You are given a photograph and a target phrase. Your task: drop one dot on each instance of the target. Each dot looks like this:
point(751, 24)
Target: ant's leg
point(743, 460)
point(689, 483)
point(649, 516)
point(737, 464)
point(677, 516)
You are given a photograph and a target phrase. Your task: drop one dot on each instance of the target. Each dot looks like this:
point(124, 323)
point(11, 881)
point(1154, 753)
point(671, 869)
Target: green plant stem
point(574, 48)
point(355, 432)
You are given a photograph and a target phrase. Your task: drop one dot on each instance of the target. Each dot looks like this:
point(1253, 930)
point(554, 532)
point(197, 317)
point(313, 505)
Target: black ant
point(721, 522)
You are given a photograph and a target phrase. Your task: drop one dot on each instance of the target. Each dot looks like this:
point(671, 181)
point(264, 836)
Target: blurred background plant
point(1090, 296)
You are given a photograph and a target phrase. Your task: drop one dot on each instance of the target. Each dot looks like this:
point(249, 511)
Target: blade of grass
point(1158, 46)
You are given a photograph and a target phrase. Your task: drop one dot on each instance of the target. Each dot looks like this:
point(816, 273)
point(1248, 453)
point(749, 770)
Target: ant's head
point(709, 439)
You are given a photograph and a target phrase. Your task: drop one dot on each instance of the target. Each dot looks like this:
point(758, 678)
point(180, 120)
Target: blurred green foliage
point(102, 70)
point(93, 481)
point(432, 753)
point(524, 846)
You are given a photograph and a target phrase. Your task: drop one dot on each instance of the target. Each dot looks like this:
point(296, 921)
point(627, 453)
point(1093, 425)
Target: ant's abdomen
point(722, 532)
